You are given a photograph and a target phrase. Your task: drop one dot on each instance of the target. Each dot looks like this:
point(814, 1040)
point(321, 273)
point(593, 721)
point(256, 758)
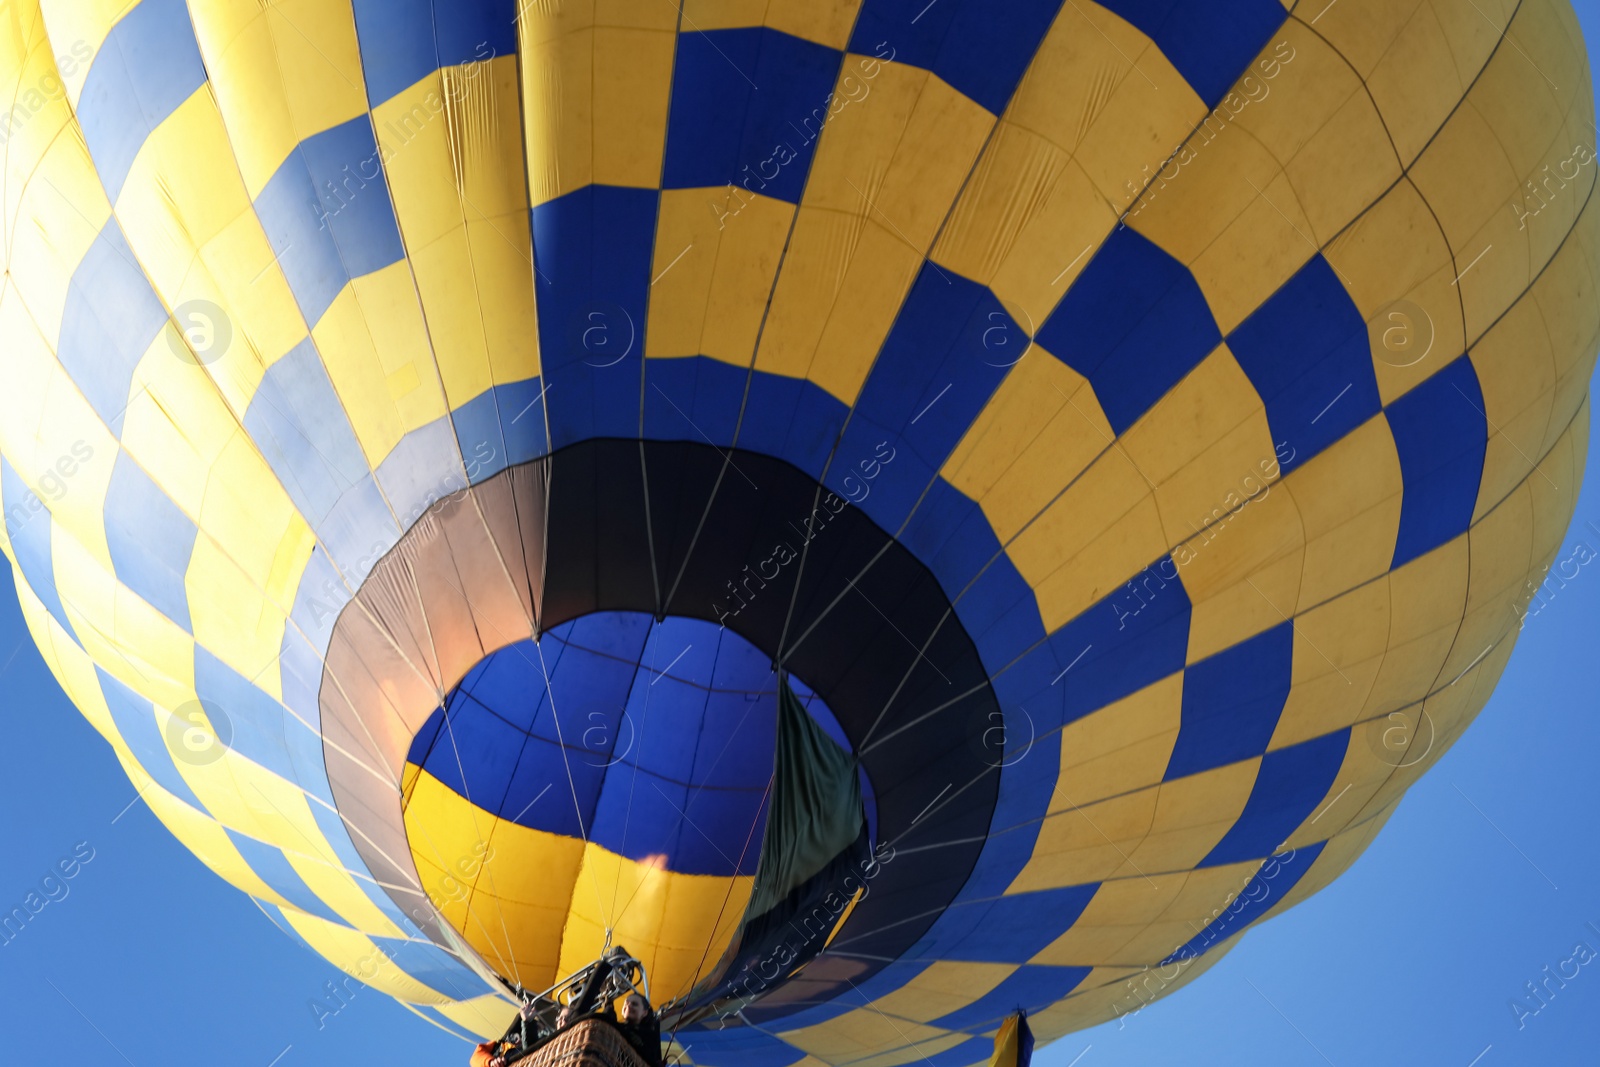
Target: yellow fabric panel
point(1417, 76)
point(1426, 597)
point(1517, 373)
point(843, 281)
point(76, 27)
point(1088, 843)
point(189, 220)
point(1571, 312)
point(1203, 896)
point(452, 151)
point(1477, 216)
point(945, 986)
point(1500, 556)
point(201, 835)
point(825, 22)
point(1024, 184)
point(239, 595)
point(1339, 648)
point(1114, 915)
point(1097, 534)
point(334, 886)
point(281, 73)
point(883, 179)
point(356, 954)
point(1398, 248)
point(675, 924)
point(716, 257)
point(1200, 442)
point(1244, 572)
point(856, 1035)
point(231, 617)
point(250, 799)
point(596, 79)
point(1039, 431)
point(1348, 498)
point(375, 346)
point(1124, 998)
point(55, 442)
point(486, 1016)
point(176, 425)
point(1376, 747)
point(1135, 116)
point(72, 668)
point(1192, 814)
point(131, 640)
point(61, 210)
point(1031, 257)
point(474, 867)
point(1124, 745)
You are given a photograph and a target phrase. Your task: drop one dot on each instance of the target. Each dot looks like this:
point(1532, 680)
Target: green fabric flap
point(816, 810)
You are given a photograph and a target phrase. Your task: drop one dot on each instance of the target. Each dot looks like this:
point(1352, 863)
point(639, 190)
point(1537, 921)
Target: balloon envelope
point(435, 433)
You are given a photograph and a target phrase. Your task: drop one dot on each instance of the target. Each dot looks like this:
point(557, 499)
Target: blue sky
point(1488, 872)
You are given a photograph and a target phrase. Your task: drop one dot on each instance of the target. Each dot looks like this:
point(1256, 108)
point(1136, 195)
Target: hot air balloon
point(905, 517)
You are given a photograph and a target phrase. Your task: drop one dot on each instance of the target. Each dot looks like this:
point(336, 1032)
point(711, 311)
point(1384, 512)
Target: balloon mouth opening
point(558, 607)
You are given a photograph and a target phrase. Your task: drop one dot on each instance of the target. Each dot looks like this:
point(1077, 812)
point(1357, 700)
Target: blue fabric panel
point(111, 318)
point(474, 737)
point(338, 836)
point(433, 967)
point(1441, 432)
point(272, 866)
point(259, 728)
point(136, 722)
point(150, 540)
point(423, 468)
point(593, 247)
point(979, 47)
point(148, 65)
point(949, 533)
point(693, 399)
point(359, 531)
point(1103, 655)
point(1232, 701)
point(661, 739)
point(1030, 988)
point(28, 527)
point(404, 40)
point(1001, 614)
point(748, 106)
point(1265, 890)
point(1306, 351)
point(300, 669)
point(932, 378)
point(318, 600)
point(328, 215)
point(298, 422)
point(795, 420)
point(1010, 929)
point(501, 427)
point(1291, 783)
point(1210, 43)
point(742, 1046)
point(1134, 323)
point(1025, 797)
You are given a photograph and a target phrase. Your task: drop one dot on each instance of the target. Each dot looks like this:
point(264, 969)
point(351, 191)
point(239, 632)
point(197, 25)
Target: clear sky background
point(1488, 872)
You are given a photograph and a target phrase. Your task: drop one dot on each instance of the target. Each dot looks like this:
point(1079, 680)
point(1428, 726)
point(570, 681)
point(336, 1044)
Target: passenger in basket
point(641, 1028)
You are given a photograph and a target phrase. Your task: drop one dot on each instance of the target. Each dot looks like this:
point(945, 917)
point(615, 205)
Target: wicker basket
point(590, 1043)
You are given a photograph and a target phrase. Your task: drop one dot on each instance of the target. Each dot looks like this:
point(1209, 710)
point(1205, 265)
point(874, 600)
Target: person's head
point(635, 1008)
point(566, 1015)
